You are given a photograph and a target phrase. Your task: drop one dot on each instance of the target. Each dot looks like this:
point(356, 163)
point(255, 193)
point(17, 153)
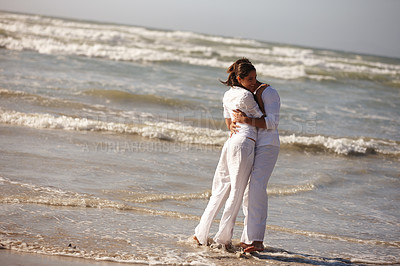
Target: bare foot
point(197, 241)
point(255, 246)
point(244, 245)
point(252, 249)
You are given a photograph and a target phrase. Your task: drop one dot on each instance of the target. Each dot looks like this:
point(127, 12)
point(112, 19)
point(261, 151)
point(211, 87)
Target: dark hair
point(241, 68)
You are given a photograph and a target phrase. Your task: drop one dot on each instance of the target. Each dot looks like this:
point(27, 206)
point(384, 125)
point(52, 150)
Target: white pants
point(230, 180)
point(255, 200)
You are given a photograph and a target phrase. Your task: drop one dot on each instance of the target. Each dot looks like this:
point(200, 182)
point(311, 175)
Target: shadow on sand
point(281, 255)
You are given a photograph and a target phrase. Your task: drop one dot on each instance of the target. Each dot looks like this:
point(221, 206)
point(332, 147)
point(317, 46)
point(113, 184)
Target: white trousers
point(230, 180)
point(255, 200)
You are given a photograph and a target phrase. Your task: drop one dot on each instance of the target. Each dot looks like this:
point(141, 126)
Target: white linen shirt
point(242, 99)
point(272, 105)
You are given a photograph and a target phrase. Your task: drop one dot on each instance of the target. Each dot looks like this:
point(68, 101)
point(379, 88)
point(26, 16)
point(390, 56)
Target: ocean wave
point(23, 193)
point(106, 112)
point(18, 192)
point(273, 190)
point(171, 130)
point(286, 190)
point(130, 43)
point(162, 130)
point(89, 111)
point(343, 146)
point(130, 196)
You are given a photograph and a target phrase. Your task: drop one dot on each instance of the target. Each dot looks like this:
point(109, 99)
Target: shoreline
point(10, 257)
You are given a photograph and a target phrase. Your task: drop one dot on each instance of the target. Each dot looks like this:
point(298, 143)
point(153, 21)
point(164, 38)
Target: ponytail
point(241, 68)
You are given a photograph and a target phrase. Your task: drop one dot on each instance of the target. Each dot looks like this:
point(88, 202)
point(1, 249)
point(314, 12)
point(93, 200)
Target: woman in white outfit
point(255, 201)
point(237, 155)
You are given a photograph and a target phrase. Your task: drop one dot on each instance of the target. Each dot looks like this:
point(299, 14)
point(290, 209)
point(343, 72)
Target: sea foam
point(180, 132)
point(130, 43)
point(170, 131)
point(344, 146)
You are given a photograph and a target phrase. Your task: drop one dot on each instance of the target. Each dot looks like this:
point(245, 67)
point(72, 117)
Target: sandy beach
point(9, 258)
point(270, 256)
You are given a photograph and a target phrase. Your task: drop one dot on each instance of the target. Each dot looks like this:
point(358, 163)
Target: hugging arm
point(232, 126)
point(241, 117)
point(272, 106)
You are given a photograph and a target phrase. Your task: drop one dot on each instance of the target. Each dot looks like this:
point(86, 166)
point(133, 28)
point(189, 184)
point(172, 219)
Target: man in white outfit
point(255, 201)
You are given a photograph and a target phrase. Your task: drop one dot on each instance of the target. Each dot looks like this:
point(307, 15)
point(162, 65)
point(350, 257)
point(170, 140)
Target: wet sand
point(9, 257)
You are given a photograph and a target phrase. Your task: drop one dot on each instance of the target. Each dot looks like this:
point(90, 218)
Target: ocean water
point(110, 135)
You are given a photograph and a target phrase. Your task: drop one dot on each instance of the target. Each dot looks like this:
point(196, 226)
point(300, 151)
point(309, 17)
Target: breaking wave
point(344, 146)
point(130, 43)
point(170, 131)
point(180, 132)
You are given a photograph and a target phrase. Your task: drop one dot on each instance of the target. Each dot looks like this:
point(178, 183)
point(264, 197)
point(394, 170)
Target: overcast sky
point(362, 26)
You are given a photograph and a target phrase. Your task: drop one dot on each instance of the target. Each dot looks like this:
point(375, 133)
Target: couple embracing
point(248, 157)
